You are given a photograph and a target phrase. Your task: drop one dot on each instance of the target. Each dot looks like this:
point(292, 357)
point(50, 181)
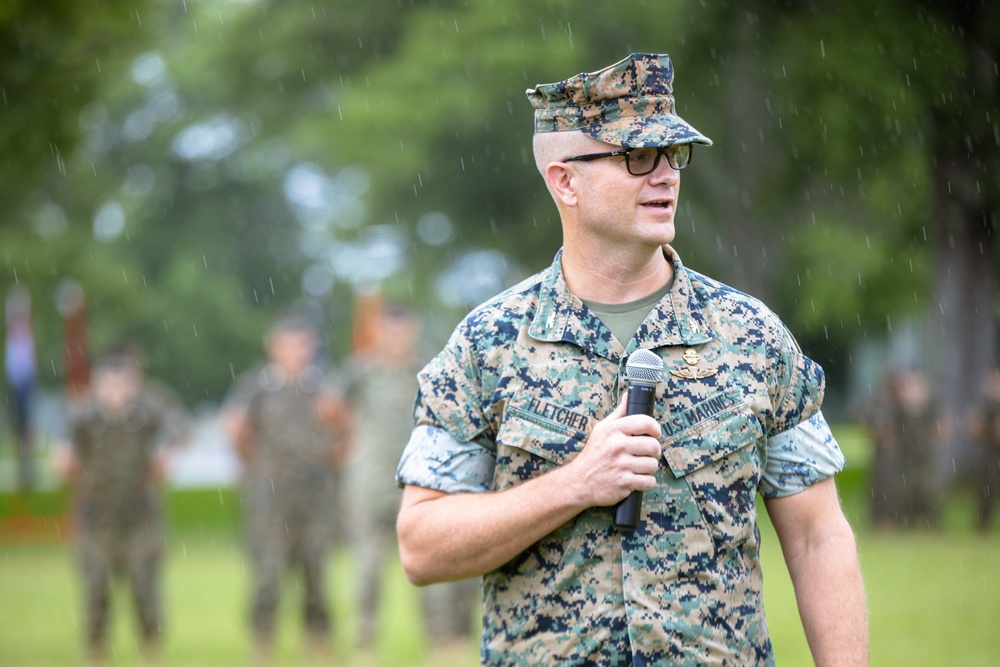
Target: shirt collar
point(678, 318)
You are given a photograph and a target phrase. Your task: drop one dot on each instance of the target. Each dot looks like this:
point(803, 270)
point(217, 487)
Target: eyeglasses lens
point(642, 161)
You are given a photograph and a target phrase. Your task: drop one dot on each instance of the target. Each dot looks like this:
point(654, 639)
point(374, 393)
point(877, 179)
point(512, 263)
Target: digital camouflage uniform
point(289, 492)
point(118, 509)
point(383, 399)
point(988, 468)
point(383, 396)
point(886, 475)
point(516, 392)
point(915, 431)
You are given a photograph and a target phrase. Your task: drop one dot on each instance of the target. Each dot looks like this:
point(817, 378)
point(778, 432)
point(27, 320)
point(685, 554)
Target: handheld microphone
point(643, 369)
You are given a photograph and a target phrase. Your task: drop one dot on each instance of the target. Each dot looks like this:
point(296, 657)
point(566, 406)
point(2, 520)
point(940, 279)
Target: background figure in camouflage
point(918, 433)
point(886, 473)
point(285, 420)
point(449, 610)
point(523, 445)
point(116, 463)
point(985, 431)
point(382, 391)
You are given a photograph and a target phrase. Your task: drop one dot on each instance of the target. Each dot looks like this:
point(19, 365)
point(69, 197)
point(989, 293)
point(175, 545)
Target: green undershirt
point(624, 319)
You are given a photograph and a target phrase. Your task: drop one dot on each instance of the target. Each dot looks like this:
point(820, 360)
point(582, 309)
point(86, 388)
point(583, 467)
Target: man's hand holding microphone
point(622, 455)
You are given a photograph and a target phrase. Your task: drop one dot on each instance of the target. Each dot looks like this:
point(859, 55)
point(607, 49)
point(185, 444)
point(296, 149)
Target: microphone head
point(644, 366)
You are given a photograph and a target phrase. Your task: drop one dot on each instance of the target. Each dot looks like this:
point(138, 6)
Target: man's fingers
point(621, 408)
point(645, 465)
point(639, 425)
point(643, 483)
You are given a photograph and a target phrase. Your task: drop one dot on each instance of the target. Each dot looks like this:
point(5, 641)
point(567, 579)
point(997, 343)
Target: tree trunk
point(751, 238)
point(966, 156)
point(963, 346)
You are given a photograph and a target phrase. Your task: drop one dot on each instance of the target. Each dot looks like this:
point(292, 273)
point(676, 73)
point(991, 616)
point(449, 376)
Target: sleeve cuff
point(800, 457)
point(433, 459)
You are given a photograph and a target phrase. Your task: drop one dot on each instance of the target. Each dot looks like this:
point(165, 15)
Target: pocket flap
point(712, 439)
point(546, 430)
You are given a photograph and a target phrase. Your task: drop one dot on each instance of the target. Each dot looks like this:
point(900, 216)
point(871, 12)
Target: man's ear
point(561, 180)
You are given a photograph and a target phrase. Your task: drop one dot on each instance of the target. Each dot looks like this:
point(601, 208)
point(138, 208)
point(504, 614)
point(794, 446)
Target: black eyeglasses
point(642, 161)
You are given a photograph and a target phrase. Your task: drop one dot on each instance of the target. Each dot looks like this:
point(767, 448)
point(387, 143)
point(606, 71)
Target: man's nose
point(664, 173)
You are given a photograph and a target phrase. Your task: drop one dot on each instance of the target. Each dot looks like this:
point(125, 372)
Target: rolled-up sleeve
point(800, 457)
point(435, 460)
point(449, 449)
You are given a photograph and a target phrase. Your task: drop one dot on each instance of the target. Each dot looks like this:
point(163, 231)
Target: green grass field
point(934, 597)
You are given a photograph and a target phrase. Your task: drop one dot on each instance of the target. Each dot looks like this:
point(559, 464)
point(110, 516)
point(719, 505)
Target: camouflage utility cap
point(630, 104)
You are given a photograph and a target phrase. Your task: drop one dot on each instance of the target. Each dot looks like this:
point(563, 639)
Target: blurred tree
point(55, 57)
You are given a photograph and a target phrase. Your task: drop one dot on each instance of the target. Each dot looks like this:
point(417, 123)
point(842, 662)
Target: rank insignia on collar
point(692, 358)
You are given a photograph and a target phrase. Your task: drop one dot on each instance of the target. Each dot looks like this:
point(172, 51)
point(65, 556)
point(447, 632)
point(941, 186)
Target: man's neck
point(611, 278)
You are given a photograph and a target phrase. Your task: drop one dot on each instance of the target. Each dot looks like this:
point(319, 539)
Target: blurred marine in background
point(286, 421)
point(984, 426)
point(382, 390)
point(116, 463)
point(908, 433)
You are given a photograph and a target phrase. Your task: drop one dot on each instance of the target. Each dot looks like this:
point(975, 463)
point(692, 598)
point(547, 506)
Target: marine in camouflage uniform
point(986, 433)
point(284, 418)
point(917, 435)
point(381, 393)
point(887, 474)
point(517, 414)
point(118, 438)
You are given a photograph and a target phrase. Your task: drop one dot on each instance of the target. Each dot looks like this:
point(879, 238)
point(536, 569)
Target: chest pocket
point(536, 437)
point(719, 460)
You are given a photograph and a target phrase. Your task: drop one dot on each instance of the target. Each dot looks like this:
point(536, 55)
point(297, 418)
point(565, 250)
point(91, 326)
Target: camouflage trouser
point(375, 542)
point(449, 609)
point(135, 555)
point(271, 556)
point(886, 488)
point(989, 488)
